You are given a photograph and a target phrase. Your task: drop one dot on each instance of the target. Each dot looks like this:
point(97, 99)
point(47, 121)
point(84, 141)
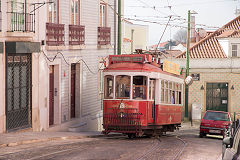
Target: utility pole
point(119, 27)
point(132, 31)
point(187, 64)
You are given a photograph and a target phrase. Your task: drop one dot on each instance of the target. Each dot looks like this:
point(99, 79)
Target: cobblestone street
point(184, 144)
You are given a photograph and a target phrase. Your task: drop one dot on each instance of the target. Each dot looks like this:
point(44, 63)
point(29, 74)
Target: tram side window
point(123, 87)
point(162, 91)
point(166, 89)
point(170, 94)
point(177, 94)
point(139, 87)
point(180, 94)
point(108, 89)
point(152, 89)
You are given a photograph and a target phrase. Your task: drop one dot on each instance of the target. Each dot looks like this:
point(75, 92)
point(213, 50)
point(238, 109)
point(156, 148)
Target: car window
point(216, 116)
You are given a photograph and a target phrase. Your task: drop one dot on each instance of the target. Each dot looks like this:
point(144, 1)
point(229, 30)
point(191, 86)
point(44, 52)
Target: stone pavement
point(26, 137)
point(18, 138)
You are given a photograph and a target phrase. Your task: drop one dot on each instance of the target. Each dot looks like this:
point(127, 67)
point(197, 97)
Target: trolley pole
point(187, 65)
point(119, 27)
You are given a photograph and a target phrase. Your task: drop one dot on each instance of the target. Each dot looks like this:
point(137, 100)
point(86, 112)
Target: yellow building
point(135, 37)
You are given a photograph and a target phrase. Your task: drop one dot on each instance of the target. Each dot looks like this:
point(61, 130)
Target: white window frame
point(75, 4)
point(237, 50)
point(52, 5)
point(102, 15)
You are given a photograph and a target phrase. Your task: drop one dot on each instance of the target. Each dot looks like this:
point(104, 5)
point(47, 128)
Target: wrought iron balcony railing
point(76, 35)
point(23, 22)
point(55, 34)
point(104, 34)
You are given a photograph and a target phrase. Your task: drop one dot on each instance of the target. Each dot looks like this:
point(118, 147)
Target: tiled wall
point(196, 95)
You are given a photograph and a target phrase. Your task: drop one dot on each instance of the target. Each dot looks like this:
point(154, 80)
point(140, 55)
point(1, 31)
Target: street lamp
point(187, 61)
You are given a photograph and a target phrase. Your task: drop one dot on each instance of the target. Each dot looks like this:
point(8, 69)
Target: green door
point(217, 96)
point(18, 91)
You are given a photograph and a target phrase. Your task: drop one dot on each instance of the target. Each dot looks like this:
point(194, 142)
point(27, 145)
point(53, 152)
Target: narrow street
point(183, 144)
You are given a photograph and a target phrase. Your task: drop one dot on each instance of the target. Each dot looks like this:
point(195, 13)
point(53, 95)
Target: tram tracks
point(178, 155)
point(168, 149)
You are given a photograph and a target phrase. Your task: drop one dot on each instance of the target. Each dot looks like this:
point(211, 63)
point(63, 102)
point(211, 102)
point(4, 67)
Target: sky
point(211, 15)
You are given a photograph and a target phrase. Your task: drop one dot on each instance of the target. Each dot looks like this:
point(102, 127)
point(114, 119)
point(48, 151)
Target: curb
point(12, 144)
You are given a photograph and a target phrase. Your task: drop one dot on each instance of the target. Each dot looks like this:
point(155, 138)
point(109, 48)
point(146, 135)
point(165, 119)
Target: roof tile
point(209, 47)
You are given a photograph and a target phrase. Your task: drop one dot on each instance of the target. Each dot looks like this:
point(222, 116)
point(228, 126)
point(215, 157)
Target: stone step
point(82, 126)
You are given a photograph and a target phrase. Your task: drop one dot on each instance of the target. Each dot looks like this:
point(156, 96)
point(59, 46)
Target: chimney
point(192, 26)
point(237, 12)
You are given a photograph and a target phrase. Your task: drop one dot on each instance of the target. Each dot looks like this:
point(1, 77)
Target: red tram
point(139, 97)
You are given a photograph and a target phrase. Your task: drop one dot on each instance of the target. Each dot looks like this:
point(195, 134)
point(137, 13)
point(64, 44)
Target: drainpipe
point(115, 27)
point(25, 6)
point(119, 27)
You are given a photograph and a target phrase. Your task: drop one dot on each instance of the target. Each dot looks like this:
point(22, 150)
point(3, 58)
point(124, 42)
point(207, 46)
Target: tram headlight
point(122, 105)
point(122, 115)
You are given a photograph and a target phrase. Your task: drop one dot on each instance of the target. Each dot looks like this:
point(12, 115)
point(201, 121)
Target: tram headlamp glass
point(122, 105)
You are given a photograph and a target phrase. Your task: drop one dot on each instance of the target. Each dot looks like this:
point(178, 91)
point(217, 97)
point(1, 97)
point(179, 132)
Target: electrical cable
point(163, 34)
point(52, 60)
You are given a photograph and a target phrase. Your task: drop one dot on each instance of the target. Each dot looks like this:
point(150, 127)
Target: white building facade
point(61, 49)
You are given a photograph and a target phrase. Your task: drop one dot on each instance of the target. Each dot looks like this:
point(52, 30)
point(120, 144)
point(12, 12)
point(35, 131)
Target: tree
point(181, 36)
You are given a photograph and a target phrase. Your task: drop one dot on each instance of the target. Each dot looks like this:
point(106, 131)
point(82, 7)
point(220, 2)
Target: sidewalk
point(190, 125)
point(18, 138)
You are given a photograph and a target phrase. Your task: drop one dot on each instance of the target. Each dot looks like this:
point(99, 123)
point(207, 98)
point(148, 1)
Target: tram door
point(152, 105)
point(73, 85)
point(51, 95)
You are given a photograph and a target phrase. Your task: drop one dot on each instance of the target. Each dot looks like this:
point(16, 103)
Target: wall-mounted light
point(202, 88)
point(232, 88)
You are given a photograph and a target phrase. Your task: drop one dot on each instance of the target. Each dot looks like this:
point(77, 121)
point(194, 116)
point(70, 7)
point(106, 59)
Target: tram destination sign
point(171, 67)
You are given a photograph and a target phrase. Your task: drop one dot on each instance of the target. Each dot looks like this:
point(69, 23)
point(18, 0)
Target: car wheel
point(201, 135)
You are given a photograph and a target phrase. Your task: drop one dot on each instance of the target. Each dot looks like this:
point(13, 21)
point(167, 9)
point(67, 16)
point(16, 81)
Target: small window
point(234, 50)
point(166, 90)
point(139, 87)
point(162, 91)
point(173, 98)
point(108, 89)
point(75, 12)
point(123, 87)
point(102, 15)
point(53, 11)
point(152, 90)
point(179, 94)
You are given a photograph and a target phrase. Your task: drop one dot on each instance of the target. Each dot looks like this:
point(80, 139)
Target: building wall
point(213, 71)
point(89, 103)
point(140, 37)
point(18, 36)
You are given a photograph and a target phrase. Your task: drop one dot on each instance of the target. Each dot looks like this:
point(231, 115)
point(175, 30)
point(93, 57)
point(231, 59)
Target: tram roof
point(136, 67)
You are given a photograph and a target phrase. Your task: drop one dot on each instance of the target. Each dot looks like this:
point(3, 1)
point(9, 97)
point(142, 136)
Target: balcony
point(54, 34)
point(21, 22)
point(76, 35)
point(104, 34)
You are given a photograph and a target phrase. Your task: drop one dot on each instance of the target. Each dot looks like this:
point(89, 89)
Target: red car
point(214, 122)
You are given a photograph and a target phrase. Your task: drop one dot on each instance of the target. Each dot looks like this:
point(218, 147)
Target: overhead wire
point(163, 33)
point(55, 56)
point(154, 8)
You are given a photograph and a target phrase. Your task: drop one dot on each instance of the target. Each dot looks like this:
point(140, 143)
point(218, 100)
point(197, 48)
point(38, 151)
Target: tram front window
point(139, 87)
point(108, 87)
point(122, 87)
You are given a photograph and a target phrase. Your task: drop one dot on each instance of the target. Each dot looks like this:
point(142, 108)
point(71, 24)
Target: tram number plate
point(214, 131)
